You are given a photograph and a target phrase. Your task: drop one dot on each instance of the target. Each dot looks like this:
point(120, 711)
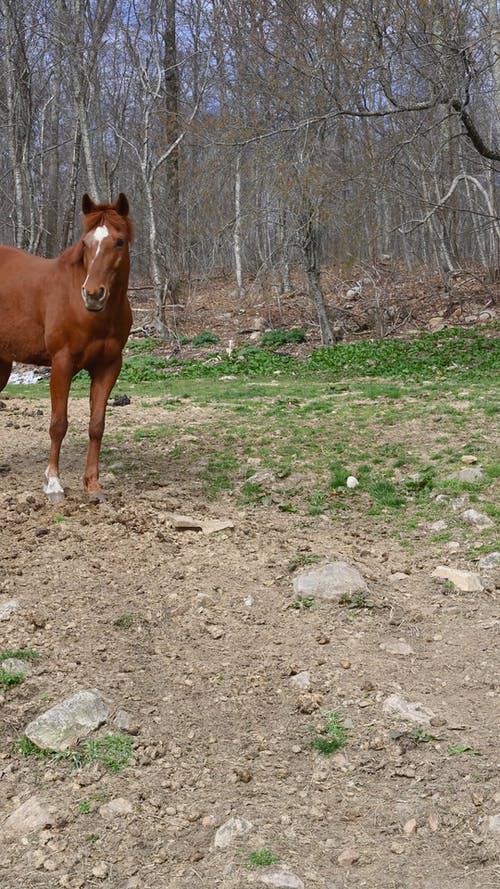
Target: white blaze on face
point(98, 236)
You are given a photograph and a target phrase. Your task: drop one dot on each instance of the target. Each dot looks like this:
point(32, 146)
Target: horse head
point(108, 232)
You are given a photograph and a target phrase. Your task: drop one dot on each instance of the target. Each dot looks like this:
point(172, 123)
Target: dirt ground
point(195, 637)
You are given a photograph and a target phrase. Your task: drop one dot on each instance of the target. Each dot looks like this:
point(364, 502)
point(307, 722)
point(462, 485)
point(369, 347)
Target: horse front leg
point(100, 388)
point(60, 381)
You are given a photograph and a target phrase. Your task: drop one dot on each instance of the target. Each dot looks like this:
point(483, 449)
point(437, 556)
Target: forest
point(256, 137)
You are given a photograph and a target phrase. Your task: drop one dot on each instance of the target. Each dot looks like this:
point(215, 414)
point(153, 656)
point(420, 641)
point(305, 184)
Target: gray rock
point(330, 581)
point(301, 680)
point(122, 720)
point(395, 705)
point(8, 608)
point(470, 474)
point(15, 666)
point(213, 526)
point(228, 832)
point(67, 722)
point(32, 815)
point(440, 525)
point(466, 581)
point(473, 517)
point(489, 561)
point(280, 877)
point(396, 646)
point(493, 823)
point(116, 808)
point(262, 477)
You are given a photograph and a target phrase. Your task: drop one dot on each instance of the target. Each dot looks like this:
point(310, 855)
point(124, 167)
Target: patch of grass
point(280, 337)
point(142, 368)
point(385, 494)
point(147, 344)
point(261, 858)
point(301, 560)
point(217, 474)
point(205, 339)
point(461, 749)
point(252, 493)
point(21, 654)
point(359, 599)
point(332, 736)
point(10, 680)
point(125, 621)
point(84, 807)
point(303, 603)
point(114, 751)
point(338, 476)
point(151, 433)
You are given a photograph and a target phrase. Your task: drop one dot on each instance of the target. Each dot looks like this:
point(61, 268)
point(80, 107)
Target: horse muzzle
point(94, 302)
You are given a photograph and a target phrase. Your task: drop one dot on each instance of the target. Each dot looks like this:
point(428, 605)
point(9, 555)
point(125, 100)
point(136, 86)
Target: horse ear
point(121, 205)
point(87, 204)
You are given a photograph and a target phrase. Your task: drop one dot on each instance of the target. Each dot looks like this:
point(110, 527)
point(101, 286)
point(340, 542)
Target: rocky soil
point(220, 674)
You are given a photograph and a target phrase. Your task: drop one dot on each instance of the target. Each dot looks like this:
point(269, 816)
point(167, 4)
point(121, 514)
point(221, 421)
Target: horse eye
point(120, 242)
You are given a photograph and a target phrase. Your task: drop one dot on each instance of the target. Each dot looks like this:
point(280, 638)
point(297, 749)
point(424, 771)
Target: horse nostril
point(101, 293)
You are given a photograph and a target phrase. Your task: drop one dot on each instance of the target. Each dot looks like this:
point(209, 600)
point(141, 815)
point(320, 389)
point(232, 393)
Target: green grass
point(114, 751)
point(205, 339)
point(10, 680)
point(21, 654)
point(280, 337)
point(333, 735)
point(261, 858)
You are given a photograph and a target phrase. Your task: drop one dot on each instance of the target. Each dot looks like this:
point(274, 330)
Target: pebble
point(493, 823)
point(466, 581)
point(469, 459)
point(32, 815)
point(228, 832)
point(410, 827)
point(395, 646)
point(9, 608)
point(348, 857)
point(471, 474)
point(66, 723)
point(413, 712)
point(473, 517)
point(116, 808)
point(489, 561)
point(301, 680)
point(330, 581)
point(280, 877)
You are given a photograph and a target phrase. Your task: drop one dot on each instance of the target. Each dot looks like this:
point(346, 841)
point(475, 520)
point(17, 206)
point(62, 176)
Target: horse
point(71, 313)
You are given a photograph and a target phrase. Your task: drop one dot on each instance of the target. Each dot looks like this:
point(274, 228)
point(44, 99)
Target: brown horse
point(70, 313)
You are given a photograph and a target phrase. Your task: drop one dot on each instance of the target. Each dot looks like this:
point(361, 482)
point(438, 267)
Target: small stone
point(469, 459)
point(330, 581)
point(228, 832)
point(352, 482)
point(466, 581)
point(116, 808)
point(185, 522)
point(489, 561)
point(473, 517)
point(410, 827)
point(471, 474)
point(348, 857)
point(440, 525)
point(32, 815)
point(15, 666)
point(493, 823)
point(213, 526)
point(8, 608)
point(67, 722)
point(397, 576)
point(122, 720)
point(100, 871)
point(280, 877)
point(301, 680)
point(413, 712)
point(395, 646)
point(433, 822)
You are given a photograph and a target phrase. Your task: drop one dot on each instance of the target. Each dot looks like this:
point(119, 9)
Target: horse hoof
point(56, 497)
